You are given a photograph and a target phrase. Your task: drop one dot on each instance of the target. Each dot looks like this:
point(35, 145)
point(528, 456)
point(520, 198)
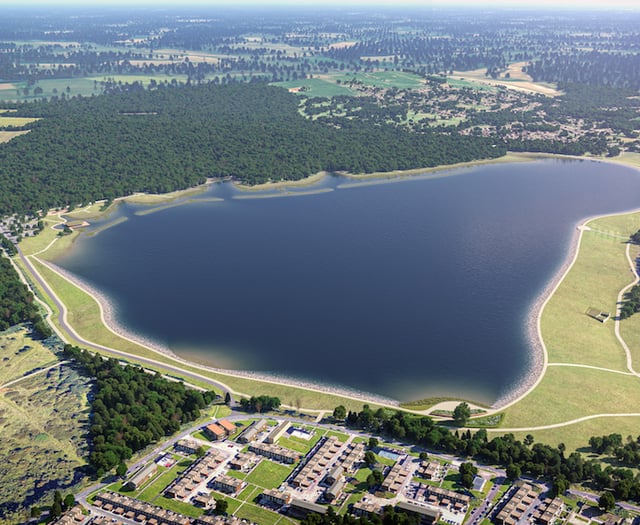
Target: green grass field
point(268, 474)
point(385, 79)
point(460, 84)
point(570, 392)
point(316, 87)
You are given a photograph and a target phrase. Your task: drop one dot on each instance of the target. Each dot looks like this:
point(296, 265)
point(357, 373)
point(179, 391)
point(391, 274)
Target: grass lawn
point(316, 87)
point(256, 514)
point(179, 506)
point(386, 79)
point(362, 474)
point(298, 444)
point(341, 436)
point(600, 272)
point(460, 84)
point(450, 481)
point(269, 475)
point(249, 493)
point(590, 393)
point(161, 482)
point(565, 393)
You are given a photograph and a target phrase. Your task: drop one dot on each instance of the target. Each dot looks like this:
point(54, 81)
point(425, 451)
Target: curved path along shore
point(173, 368)
point(540, 368)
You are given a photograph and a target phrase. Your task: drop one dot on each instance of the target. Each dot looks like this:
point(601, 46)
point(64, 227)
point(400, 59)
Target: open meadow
point(43, 423)
point(587, 374)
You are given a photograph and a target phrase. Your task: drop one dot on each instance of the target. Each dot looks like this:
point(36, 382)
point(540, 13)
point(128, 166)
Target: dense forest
point(17, 304)
point(517, 457)
point(132, 408)
point(156, 141)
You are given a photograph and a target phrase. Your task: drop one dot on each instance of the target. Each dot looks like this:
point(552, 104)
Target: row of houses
point(549, 511)
point(276, 497)
point(227, 484)
point(244, 461)
point(317, 463)
point(426, 515)
point(445, 498)
point(275, 452)
point(352, 456)
point(136, 510)
point(516, 505)
point(200, 470)
point(141, 476)
point(396, 479)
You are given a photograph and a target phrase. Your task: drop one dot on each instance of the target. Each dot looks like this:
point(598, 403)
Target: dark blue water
point(410, 289)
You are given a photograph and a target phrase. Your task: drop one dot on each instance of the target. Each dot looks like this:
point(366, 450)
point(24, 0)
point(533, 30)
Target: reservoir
point(408, 289)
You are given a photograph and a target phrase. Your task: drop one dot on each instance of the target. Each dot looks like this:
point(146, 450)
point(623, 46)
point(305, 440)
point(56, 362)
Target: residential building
point(396, 479)
point(276, 497)
point(516, 504)
point(227, 484)
point(141, 476)
point(278, 432)
point(187, 446)
point(427, 515)
point(276, 452)
point(250, 433)
point(300, 508)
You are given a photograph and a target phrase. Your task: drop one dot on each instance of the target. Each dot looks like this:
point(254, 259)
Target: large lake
point(409, 289)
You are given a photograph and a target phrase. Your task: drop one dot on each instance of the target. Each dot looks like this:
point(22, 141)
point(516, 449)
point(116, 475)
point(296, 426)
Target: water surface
point(407, 290)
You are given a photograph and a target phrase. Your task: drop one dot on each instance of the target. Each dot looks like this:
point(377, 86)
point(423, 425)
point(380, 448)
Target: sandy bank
point(109, 317)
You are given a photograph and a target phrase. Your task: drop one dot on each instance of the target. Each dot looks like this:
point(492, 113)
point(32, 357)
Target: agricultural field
point(43, 423)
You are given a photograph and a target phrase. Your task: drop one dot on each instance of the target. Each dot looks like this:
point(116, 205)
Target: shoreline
point(538, 357)
point(108, 312)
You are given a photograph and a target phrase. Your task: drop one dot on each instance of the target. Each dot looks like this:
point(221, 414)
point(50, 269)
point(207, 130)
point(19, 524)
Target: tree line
point(103, 147)
point(17, 304)
point(517, 457)
point(131, 408)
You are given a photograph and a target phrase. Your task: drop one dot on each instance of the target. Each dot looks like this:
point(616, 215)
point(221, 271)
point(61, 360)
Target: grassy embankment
point(84, 312)
point(84, 315)
point(575, 341)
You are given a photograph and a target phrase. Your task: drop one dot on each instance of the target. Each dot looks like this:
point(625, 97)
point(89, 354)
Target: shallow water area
point(409, 290)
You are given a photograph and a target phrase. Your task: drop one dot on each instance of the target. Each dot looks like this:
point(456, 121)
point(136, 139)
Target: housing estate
point(516, 504)
point(199, 472)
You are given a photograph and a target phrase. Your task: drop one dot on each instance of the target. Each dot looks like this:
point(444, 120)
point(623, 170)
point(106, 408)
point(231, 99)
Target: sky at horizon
point(546, 4)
